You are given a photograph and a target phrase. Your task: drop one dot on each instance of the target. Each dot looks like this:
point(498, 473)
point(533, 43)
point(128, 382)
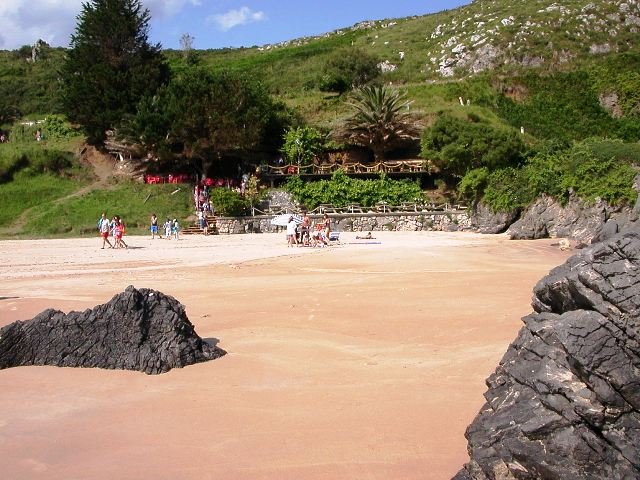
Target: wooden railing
point(349, 167)
point(380, 207)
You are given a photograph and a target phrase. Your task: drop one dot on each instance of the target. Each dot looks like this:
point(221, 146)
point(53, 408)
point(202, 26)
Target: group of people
point(201, 199)
point(308, 234)
point(171, 228)
point(115, 228)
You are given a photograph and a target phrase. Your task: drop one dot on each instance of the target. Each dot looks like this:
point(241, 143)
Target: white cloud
point(234, 18)
point(22, 22)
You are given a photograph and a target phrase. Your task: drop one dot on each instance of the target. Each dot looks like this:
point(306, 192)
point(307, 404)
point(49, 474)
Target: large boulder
point(141, 330)
point(564, 402)
point(484, 220)
point(546, 217)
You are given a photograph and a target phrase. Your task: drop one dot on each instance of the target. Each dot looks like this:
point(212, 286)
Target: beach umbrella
point(283, 220)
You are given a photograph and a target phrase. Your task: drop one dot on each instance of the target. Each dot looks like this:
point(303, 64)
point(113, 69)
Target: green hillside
point(442, 56)
point(559, 72)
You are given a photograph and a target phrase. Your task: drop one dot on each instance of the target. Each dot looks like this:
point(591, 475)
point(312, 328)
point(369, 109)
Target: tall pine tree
point(110, 65)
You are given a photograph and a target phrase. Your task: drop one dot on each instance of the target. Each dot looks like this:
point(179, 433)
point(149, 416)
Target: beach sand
point(360, 361)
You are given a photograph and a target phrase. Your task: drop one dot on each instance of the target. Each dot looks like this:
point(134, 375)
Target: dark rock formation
point(483, 220)
point(547, 218)
point(141, 330)
point(564, 402)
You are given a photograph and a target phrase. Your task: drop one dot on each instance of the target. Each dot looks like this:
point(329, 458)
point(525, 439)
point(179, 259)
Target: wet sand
point(365, 360)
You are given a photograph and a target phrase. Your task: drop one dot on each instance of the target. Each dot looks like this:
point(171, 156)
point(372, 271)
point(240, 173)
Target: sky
point(211, 23)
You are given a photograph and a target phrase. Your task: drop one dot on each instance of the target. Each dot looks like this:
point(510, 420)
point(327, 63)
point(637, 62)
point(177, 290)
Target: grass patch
point(78, 216)
point(27, 191)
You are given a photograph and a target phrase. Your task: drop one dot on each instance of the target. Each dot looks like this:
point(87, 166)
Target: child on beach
point(167, 228)
point(175, 228)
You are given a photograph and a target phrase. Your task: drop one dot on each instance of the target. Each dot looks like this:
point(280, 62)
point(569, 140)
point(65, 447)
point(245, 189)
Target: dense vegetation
point(555, 111)
point(342, 190)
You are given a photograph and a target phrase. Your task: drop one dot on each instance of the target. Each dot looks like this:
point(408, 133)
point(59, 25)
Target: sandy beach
point(365, 360)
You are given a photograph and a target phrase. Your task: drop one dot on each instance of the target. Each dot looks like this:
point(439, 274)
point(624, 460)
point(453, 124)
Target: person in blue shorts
point(154, 226)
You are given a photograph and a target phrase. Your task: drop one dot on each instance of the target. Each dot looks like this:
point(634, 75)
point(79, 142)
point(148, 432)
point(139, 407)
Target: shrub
point(457, 146)
point(591, 177)
point(342, 190)
point(473, 184)
point(227, 202)
point(504, 190)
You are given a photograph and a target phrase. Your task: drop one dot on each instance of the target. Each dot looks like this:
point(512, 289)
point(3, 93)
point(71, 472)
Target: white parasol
point(283, 220)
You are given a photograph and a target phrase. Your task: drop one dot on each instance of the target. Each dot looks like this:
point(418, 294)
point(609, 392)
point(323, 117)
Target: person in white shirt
point(291, 232)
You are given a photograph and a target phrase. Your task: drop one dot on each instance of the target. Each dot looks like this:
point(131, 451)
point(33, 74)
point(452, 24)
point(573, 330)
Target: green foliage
point(562, 105)
point(348, 68)
point(472, 185)
point(342, 190)
point(592, 176)
point(110, 65)
point(28, 190)
point(620, 75)
point(591, 169)
point(132, 201)
point(32, 160)
point(379, 120)
point(302, 145)
point(505, 190)
point(458, 146)
point(55, 126)
point(29, 87)
point(227, 202)
point(202, 115)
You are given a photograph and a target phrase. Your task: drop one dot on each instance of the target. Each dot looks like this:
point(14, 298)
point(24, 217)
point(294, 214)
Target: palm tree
point(380, 120)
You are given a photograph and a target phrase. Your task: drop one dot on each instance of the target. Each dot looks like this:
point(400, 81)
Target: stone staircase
point(194, 228)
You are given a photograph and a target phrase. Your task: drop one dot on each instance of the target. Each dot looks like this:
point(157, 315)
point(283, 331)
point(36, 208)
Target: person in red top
point(104, 227)
point(118, 232)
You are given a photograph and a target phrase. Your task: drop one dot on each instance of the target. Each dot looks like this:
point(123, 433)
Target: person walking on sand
point(104, 228)
point(167, 229)
point(291, 232)
point(154, 227)
point(123, 230)
point(175, 228)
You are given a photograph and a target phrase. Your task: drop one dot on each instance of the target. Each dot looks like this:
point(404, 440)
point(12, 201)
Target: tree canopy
point(110, 65)
point(458, 146)
point(203, 115)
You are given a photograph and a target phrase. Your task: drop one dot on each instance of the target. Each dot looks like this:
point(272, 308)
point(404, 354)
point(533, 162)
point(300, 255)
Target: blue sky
point(213, 24)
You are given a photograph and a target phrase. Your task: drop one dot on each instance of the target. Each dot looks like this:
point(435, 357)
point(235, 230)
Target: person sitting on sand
point(317, 237)
point(368, 236)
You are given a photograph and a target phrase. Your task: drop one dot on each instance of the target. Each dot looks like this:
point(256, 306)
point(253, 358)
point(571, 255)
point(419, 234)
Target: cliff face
point(142, 330)
point(564, 402)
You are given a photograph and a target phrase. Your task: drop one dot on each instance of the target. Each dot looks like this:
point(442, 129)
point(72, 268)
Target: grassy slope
point(557, 98)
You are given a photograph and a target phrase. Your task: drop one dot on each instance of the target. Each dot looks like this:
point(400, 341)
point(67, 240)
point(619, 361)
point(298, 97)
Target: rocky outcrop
point(141, 330)
point(564, 402)
point(545, 218)
point(484, 220)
